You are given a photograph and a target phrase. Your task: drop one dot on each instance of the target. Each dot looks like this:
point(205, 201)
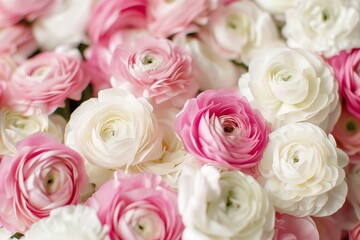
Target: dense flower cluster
point(179, 119)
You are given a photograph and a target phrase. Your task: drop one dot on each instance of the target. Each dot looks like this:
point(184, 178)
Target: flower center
point(151, 62)
point(229, 125)
point(351, 126)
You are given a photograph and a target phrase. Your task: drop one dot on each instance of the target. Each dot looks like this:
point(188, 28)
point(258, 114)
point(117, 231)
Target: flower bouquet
point(180, 119)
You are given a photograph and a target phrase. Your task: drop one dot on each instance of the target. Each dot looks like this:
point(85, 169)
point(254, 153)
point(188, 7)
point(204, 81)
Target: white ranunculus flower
point(302, 171)
point(66, 26)
point(15, 126)
point(324, 26)
point(292, 85)
point(68, 223)
point(224, 205)
point(277, 6)
point(169, 165)
point(236, 30)
point(209, 66)
point(115, 130)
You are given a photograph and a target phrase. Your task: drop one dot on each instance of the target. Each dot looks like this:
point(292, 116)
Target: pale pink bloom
point(15, 10)
point(17, 41)
point(99, 56)
point(110, 16)
point(169, 17)
point(220, 127)
point(155, 69)
point(43, 175)
point(347, 72)
point(141, 206)
point(41, 84)
point(112, 22)
point(347, 134)
point(295, 228)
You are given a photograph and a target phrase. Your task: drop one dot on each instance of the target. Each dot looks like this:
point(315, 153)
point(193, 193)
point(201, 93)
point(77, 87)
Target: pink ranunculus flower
point(17, 41)
point(43, 175)
point(347, 71)
point(169, 17)
point(347, 135)
point(289, 227)
point(111, 16)
point(141, 206)
point(220, 127)
point(99, 55)
point(42, 83)
point(112, 22)
point(155, 69)
point(18, 9)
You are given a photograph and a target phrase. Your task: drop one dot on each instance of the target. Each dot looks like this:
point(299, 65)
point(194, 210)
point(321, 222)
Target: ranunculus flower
point(292, 85)
point(347, 135)
point(210, 70)
point(111, 16)
point(347, 71)
point(223, 205)
point(68, 223)
point(15, 126)
point(42, 83)
point(302, 171)
point(43, 175)
point(170, 164)
point(236, 30)
point(221, 128)
point(98, 56)
point(323, 26)
point(289, 227)
point(112, 22)
point(115, 130)
point(17, 41)
point(141, 206)
point(155, 69)
point(66, 26)
point(277, 7)
point(169, 17)
point(30, 9)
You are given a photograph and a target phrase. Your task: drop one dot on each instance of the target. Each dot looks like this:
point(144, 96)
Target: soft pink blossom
point(15, 10)
point(155, 69)
point(169, 17)
point(289, 227)
point(141, 206)
point(220, 127)
point(112, 22)
point(17, 41)
point(110, 16)
point(347, 134)
point(42, 83)
point(99, 56)
point(43, 175)
point(347, 72)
